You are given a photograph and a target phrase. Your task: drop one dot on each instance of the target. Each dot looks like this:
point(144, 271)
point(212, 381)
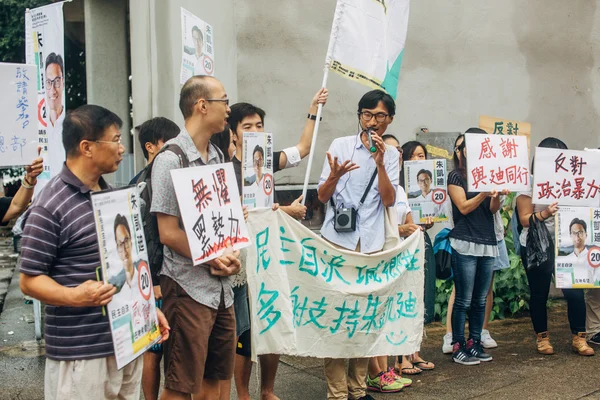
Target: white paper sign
point(569, 177)
point(426, 190)
point(18, 113)
point(577, 247)
point(496, 162)
point(309, 298)
point(132, 310)
point(198, 54)
point(257, 169)
point(45, 47)
point(211, 211)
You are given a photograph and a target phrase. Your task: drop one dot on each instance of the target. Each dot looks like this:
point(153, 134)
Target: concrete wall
point(156, 55)
point(534, 61)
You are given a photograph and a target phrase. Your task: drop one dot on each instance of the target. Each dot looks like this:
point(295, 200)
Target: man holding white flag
point(343, 187)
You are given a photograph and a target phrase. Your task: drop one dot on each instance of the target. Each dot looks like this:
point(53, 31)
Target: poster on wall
point(426, 190)
point(18, 113)
point(45, 47)
point(198, 53)
point(257, 169)
point(577, 247)
point(132, 310)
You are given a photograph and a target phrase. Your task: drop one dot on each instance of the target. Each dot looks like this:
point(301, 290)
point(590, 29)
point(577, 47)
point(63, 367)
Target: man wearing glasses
point(256, 183)
point(54, 84)
point(198, 299)
point(126, 280)
point(582, 271)
point(347, 170)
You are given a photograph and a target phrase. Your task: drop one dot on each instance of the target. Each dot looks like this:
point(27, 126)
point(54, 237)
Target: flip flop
point(406, 370)
point(420, 365)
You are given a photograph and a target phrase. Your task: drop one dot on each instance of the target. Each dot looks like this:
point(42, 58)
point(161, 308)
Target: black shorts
point(243, 346)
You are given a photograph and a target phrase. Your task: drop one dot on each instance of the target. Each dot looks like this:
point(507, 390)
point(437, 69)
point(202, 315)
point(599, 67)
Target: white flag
point(367, 41)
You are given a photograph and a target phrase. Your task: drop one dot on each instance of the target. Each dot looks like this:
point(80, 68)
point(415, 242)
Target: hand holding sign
point(227, 264)
point(35, 169)
point(92, 294)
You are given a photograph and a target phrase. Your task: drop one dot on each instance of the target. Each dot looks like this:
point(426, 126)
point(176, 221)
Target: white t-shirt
point(582, 272)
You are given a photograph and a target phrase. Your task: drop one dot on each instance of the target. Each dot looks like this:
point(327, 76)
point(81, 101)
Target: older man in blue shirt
point(347, 171)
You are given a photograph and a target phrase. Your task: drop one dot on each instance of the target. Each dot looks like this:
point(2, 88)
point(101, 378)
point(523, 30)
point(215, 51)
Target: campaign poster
point(132, 311)
point(577, 247)
point(211, 210)
point(45, 47)
point(497, 162)
point(257, 169)
point(198, 54)
point(567, 177)
point(18, 113)
point(427, 190)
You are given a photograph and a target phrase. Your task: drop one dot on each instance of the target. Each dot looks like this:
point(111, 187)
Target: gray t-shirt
point(197, 281)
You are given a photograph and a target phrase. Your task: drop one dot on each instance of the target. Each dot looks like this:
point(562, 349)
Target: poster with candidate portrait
point(45, 47)
point(198, 53)
point(132, 310)
point(427, 190)
point(577, 247)
point(257, 169)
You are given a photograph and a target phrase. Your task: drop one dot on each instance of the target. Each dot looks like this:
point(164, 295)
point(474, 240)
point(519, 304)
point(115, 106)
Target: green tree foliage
point(12, 33)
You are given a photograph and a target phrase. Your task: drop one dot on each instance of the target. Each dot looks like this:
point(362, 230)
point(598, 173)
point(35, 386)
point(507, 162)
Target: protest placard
point(577, 247)
point(18, 110)
point(132, 310)
point(496, 162)
point(500, 126)
point(211, 210)
point(257, 169)
point(198, 54)
point(45, 47)
point(426, 190)
point(567, 177)
point(310, 298)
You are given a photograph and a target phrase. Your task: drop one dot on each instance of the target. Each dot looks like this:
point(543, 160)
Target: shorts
point(202, 340)
point(157, 348)
point(244, 346)
point(242, 311)
point(502, 261)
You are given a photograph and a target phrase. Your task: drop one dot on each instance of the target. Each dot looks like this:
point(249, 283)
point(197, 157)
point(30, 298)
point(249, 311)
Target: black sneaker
point(475, 349)
point(461, 356)
point(367, 397)
point(595, 339)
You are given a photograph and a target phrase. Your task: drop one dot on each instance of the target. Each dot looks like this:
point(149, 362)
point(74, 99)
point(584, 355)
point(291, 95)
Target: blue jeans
point(472, 279)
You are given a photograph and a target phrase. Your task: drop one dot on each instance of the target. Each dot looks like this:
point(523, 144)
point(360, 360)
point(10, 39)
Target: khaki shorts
point(96, 379)
point(202, 340)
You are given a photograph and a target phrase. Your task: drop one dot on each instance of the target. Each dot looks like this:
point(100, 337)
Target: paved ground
point(517, 371)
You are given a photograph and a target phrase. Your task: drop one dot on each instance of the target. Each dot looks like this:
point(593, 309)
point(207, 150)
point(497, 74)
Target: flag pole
point(314, 138)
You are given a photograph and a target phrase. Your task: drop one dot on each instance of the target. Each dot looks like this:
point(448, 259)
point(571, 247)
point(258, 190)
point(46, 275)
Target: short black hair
point(193, 89)
point(577, 221)
point(57, 59)
point(475, 130)
point(121, 220)
point(425, 171)
point(196, 29)
point(156, 129)
point(389, 136)
point(371, 99)
point(259, 149)
point(222, 140)
point(239, 111)
point(87, 122)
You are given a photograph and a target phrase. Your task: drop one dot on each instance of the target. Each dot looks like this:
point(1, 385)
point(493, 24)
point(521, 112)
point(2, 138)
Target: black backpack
point(153, 245)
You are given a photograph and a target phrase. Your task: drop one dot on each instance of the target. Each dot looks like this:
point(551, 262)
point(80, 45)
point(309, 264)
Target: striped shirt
point(60, 241)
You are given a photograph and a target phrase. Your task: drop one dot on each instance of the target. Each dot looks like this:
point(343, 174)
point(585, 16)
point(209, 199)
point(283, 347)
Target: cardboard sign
point(569, 177)
point(496, 162)
point(500, 126)
point(426, 190)
point(257, 169)
point(211, 211)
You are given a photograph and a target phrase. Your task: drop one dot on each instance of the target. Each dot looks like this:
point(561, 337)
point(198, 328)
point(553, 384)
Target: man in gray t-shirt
point(197, 299)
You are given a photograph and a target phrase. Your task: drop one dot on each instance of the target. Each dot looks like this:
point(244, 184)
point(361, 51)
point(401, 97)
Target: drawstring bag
point(540, 249)
point(442, 251)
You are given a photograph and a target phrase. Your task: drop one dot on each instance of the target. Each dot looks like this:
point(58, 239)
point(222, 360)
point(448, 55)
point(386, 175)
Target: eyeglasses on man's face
point(56, 83)
point(578, 233)
point(367, 116)
point(124, 244)
point(426, 180)
point(118, 141)
point(226, 101)
point(258, 161)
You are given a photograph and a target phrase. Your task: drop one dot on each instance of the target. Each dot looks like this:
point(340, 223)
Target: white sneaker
point(447, 346)
point(487, 341)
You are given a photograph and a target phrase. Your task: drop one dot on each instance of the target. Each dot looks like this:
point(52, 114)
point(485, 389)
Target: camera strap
point(362, 200)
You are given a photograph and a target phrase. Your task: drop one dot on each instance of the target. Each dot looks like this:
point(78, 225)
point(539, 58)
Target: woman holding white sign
point(540, 277)
point(474, 248)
